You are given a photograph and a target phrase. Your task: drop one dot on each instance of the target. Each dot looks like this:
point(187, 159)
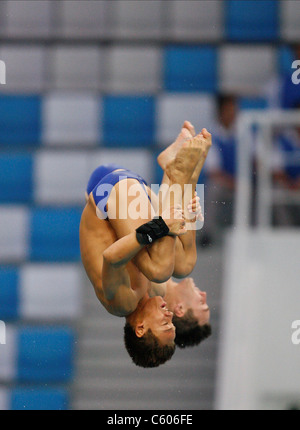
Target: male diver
point(130, 261)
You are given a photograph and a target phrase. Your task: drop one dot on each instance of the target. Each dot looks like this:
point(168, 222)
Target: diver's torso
point(96, 235)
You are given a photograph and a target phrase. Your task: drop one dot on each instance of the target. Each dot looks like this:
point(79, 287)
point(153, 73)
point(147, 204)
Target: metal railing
point(264, 122)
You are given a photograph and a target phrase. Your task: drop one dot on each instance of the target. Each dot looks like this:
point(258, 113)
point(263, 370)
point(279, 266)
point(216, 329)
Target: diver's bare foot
point(169, 154)
point(192, 151)
point(207, 136)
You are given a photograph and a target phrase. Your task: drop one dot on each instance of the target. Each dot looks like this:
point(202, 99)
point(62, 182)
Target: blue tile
point(157, 170)
point(35, 399)
point(20, 120)
point(252, 103)
point(54, 234)
point(128, 121)
point(190, 69)
point(290, 93)
point(15, 178)
point(9, 293)
point(252, 20)
point(45, 354)
point(285, 60)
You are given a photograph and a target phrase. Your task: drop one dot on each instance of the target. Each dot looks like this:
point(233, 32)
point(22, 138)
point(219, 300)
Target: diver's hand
point(194, 207)
point(175, 220)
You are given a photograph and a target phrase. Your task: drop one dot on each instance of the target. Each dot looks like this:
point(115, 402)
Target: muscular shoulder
point(122, 305)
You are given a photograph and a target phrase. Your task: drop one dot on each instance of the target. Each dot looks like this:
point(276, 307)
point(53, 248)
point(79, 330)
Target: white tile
point(139, 161)
point(245, 70)
point(289, 20)
point(27, 18)
point(198, 20)
point(173, 110)
point(60, 177)
point(4, 399)
point(50, 292)
point(14, 226)
point(135, 19)
point(8, 355)
point(76, 67)
point(81, 19)
point(133, 70)
point(71, 118)
point(24, 68)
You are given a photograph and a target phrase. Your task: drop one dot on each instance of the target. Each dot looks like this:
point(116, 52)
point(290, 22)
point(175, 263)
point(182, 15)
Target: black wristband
point(151, 231)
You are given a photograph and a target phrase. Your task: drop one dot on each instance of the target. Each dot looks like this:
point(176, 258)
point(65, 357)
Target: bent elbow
point(107, 257)
point(109, 260)
point(113, 258)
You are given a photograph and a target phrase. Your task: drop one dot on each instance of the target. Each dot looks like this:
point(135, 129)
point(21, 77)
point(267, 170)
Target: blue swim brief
point(103, 187)
point(99, 173)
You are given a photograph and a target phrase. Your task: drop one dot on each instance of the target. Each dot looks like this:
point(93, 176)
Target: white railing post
point(264, 176)
point(243, 192)
point(265, 120)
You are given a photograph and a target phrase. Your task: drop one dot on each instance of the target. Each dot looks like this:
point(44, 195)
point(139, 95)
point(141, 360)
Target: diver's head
point(191, 312)
point(149, 333)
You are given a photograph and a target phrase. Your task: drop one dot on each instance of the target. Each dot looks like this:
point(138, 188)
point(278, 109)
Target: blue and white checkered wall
point(39, 303)
point(97, 82)
point(214, 20)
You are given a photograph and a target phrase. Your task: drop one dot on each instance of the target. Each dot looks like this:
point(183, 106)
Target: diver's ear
point(140, 329)
point(179, 310)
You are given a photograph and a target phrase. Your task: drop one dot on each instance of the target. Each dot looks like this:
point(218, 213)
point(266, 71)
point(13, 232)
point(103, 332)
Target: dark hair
point(146, 351)
point(294, 47)
point(188, 331)
point(222, 99)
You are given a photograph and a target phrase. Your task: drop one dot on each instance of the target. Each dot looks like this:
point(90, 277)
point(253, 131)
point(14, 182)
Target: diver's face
point(158, 318)
point(195, 299)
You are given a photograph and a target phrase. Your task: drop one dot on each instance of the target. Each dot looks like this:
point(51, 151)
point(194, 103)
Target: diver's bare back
point(96, 235)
